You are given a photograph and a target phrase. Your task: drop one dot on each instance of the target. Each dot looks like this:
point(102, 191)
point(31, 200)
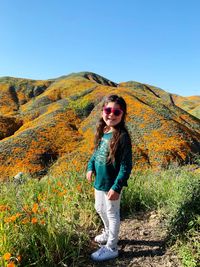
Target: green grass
point(48, 222)
point(175, 193)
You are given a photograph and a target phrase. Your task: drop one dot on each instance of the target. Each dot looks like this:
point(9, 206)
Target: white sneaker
point(102, 238)
point(104, 253)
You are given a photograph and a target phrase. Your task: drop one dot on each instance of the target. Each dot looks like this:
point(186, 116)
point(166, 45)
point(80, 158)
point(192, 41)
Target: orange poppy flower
point(7, 256)
point(34, 220)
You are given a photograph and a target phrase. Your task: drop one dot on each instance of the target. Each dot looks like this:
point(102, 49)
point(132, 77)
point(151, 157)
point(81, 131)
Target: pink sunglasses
point(115, 111)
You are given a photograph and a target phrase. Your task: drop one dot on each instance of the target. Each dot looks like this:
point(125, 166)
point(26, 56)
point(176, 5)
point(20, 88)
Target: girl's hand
point(89, 176)
point(112, 195)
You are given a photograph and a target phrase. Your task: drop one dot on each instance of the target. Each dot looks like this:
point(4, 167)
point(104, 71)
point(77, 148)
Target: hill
point(49, 125)
point(191, 104)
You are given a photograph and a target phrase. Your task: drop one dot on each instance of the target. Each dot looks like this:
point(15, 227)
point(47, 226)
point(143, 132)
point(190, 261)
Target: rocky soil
point(142, 244)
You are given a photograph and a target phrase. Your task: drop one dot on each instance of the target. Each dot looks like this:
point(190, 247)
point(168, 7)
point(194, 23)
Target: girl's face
point(112, 114)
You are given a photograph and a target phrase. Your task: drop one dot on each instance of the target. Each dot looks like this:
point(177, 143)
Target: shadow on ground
point(129, 250)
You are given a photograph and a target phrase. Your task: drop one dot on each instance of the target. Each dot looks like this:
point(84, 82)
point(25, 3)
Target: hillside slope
point(49, 125)
point(190, 104)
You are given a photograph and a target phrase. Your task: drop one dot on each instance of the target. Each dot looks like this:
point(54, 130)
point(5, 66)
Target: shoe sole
point(107, 259)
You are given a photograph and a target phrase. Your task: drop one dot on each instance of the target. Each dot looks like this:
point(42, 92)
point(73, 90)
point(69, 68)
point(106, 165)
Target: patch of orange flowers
point(9, 258)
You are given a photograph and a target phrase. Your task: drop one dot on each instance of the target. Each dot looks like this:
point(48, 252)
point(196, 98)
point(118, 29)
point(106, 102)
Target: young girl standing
point(111, 163)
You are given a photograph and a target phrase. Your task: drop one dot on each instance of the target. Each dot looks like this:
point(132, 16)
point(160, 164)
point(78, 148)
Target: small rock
point(18, 178)
point(153, 216)
point(146, 232)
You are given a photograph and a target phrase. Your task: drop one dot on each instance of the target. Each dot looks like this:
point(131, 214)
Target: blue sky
point(150, 41)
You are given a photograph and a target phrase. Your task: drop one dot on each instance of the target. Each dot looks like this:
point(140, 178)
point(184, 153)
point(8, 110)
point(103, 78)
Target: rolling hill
point(191, 104)
point(48, 125)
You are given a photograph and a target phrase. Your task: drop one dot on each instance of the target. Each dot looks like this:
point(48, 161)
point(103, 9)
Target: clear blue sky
point(149, 41)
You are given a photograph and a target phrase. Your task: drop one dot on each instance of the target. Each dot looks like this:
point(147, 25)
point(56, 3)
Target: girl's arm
point(125, 164)
point(112, 195)
point(89, 176)
point(91, 168)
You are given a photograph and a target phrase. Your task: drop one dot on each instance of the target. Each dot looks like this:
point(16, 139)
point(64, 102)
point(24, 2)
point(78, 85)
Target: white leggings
point(109, 211)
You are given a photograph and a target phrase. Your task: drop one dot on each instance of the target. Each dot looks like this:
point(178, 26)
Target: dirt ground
point(141, 244)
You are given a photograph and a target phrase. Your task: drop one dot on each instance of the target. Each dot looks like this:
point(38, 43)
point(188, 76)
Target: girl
point(111, 163)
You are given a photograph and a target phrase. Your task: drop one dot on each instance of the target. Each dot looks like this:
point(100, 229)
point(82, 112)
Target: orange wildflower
point(26, 220)
point(34, 220)
point(42, 222)
point(7, 256)
point(59, 183)
point(62, 193)
point(54, 190)
point(11, 264)
point(35, 208)
point(10, 219)
point(79, 188)
point(4, 207)
point(6, 219)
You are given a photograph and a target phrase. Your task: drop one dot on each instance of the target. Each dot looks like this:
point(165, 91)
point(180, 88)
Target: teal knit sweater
point(111, 175)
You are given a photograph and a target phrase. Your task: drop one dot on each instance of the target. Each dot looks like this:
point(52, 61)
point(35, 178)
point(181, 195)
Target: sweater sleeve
point(90, 166)
point(125, 164)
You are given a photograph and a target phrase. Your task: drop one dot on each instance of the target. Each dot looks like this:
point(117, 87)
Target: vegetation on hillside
point(52, 123)
point(190, 104)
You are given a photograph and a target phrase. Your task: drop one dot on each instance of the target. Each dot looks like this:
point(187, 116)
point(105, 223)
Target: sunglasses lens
point(117, 112)
point(107, 110)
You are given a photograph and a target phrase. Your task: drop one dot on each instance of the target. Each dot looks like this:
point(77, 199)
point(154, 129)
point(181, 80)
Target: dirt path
point(142, 244)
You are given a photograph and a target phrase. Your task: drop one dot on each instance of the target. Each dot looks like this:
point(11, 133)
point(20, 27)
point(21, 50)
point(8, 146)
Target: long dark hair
point(119, 129)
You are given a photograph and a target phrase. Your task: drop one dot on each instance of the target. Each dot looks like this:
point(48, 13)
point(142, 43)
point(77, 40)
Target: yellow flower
point(26, 220)
point(7, 256)
point(7, 219)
